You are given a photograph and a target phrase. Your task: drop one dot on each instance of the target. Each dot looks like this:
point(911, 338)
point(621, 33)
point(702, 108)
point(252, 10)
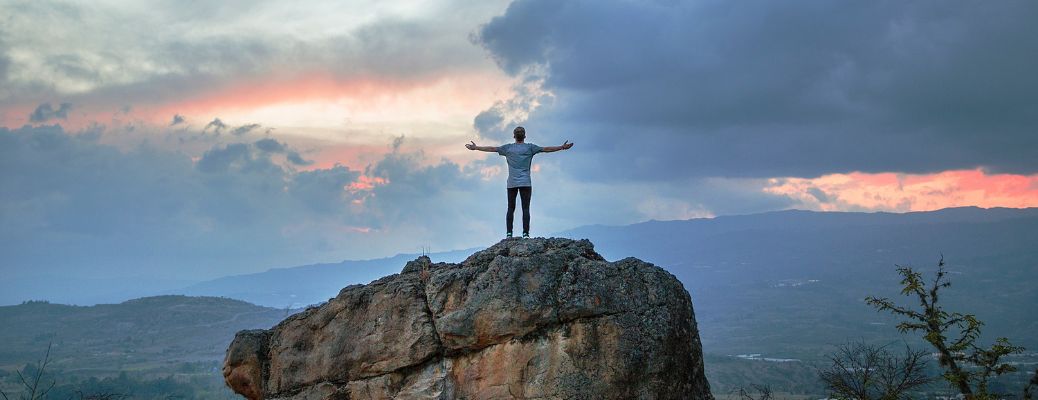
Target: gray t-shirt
point(520, 156)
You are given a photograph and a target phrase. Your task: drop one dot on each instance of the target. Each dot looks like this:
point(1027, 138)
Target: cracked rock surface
point(523, 319)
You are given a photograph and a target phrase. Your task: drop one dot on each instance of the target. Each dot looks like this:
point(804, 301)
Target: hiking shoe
point(526, 235)
point(508, 235)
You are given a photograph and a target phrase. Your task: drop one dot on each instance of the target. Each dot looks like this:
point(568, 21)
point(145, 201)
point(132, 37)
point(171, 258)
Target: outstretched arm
point(565, 146)
point(472, 146)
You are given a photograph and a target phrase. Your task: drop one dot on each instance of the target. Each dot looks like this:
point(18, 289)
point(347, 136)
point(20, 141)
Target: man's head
point(519, 133)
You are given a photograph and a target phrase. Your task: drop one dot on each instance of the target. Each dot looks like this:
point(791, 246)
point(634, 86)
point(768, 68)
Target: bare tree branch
point(763, 393)
point(867, 372)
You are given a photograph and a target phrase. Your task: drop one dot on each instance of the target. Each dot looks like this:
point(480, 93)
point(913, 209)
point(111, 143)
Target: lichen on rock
point(523, 319)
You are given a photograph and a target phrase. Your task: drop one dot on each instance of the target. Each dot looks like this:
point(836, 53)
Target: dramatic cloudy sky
point(189, 140)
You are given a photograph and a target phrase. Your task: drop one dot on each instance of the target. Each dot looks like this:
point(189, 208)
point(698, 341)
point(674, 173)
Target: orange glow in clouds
point(261, 92)
point(323, 101)
point(365, 183)
point(910, 192)
point(387, 105)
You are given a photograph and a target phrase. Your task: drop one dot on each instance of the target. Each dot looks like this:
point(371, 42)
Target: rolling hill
point(145, 333)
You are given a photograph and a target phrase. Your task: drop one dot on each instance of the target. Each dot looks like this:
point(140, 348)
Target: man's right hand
point(471, 145)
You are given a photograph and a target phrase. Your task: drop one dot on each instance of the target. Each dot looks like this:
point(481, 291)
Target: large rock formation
point(523, 319)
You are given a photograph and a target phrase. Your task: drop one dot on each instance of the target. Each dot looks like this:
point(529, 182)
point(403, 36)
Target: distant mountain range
point(776, 283)
point(309, 284)
point(276, 287)
point(783, 283)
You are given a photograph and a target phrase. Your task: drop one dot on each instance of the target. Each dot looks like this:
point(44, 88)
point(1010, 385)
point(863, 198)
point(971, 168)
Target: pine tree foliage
point(967, 366)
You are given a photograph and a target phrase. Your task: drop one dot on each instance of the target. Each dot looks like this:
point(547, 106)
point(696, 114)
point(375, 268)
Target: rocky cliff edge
point(523, 319)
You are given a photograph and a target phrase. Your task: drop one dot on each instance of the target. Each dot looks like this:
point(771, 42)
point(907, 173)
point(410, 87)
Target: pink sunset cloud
point(430, 96)
point(258, 92)
point(910, 192)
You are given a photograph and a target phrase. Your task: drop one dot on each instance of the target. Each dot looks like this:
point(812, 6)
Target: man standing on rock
point(520, 157)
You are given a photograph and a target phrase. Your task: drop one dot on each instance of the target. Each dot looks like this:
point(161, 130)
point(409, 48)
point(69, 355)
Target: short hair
point(519, 131)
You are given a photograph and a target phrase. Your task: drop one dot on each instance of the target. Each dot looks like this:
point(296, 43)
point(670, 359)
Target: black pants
point(524, 192)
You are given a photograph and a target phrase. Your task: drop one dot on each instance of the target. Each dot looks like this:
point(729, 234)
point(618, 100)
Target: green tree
point(967, 366)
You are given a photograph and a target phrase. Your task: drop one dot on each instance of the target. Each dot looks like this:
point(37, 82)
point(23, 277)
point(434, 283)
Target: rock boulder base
point(523, 319)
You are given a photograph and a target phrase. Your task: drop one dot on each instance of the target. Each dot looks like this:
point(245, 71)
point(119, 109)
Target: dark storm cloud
point(685, 89)
point(241, 130)
point(70, 200)
point(177, 119)
point(424, 195)
point(322, 190)
point(270, 145)
point(295, 158)
point(407, 174)
point(236, 155)
point(273, 146)
point(488, 120)
point(5, 61)
point(45, 112)
point(72, 204)
point(216, 124)
point(248, 157)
